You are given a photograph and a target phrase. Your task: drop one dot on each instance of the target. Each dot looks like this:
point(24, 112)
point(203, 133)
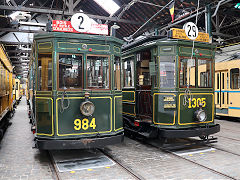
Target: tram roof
point(78, 36)
point(158, 40)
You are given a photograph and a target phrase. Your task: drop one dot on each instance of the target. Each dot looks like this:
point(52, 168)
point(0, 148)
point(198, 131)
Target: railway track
point(203, 166)
point(124, 167)
point(53, 166)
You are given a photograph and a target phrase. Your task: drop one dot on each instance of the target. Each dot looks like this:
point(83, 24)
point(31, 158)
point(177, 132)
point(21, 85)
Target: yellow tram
point(6, 91)
point(227, 88)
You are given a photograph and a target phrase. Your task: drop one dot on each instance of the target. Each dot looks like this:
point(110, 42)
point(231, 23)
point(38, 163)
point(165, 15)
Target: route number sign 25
point(191, 30)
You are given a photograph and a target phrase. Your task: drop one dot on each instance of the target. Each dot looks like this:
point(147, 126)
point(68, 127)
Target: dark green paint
point(72, 43)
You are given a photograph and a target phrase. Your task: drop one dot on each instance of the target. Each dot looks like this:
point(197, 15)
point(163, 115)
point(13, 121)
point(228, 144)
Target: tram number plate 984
point(193, 102)
point(84, 124)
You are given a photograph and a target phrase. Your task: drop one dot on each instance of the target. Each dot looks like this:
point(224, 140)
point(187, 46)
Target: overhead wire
point(188, 94)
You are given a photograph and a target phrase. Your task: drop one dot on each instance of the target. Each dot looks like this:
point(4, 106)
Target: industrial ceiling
point(17, 34)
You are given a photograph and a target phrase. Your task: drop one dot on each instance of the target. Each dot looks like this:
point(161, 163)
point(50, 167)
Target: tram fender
point(78, 143)
point(184, 133)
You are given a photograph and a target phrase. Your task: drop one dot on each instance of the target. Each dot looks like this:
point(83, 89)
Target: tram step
point(144, 121)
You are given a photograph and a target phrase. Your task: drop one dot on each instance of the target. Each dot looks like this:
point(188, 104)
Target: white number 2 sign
point(81, 22)
point(191, 30)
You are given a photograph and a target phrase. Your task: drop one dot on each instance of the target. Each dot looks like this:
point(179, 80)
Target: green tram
point(75, 91)
point(165, 95)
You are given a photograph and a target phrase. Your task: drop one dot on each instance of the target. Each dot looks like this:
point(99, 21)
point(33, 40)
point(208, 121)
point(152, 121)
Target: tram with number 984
point(165, 94)
point(75, 94)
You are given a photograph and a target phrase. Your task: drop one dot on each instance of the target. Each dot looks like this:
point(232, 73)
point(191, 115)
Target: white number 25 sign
point(191, 30)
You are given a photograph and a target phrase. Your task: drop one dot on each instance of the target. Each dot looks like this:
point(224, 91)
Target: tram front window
point(204, 73)
point(70, 71)
point(187, 72)
point(98, 73)
point(167, 71)
point(44, 72)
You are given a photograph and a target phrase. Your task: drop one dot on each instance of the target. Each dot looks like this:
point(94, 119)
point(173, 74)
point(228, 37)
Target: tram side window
point(117, 73)
point(204, 69)
point(70, 71)
point(128, 72)
point(187, 72)
point(167, 71)
point(98, 73)
point(234, 78)
point(44, 72)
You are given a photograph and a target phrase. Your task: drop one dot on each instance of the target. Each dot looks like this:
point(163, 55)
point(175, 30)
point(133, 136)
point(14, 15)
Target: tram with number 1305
point(165, 95)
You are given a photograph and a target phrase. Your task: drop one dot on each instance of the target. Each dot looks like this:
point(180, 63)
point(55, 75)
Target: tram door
point(221, 87)
point(143, 89)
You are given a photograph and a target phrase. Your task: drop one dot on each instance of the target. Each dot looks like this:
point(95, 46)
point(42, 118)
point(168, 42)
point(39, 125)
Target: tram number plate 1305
point(194, 102)
point(84, 124)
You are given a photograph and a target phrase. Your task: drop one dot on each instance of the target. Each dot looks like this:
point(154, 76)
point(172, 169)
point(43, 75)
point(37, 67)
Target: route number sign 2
point(191, 30)
point(81, 22)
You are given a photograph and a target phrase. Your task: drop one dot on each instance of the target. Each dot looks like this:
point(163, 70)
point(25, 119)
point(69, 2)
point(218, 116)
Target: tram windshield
point(204, 73)
point(187, 74)
point(70, 71)
point(98, 73)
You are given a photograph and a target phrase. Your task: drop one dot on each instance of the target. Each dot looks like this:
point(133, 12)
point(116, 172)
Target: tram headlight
point(87, 108)
point(201, 115)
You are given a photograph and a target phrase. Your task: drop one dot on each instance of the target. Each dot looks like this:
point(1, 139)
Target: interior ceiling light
point(108, 5)
point(19, 15)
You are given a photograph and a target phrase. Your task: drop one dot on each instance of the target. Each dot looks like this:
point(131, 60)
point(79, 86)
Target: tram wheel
point(203, 137)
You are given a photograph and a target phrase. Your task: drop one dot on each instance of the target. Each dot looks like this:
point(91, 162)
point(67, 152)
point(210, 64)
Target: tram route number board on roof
point(80, 23)
point(180, 34)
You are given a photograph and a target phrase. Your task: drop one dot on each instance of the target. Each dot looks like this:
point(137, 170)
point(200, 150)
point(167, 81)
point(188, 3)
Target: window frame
point(37, 70)
point(77, 89)
point(133, 58)
point(175, 73)
point(211, 72)
point(179, 68)
point(110, 68)
point(114, 71)
point(231, 79)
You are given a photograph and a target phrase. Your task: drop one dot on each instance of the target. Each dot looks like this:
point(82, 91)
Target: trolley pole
point(208, 24)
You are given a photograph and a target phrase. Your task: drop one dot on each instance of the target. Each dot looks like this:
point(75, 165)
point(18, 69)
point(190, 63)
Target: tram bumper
point(84, 143)
point(193, 132)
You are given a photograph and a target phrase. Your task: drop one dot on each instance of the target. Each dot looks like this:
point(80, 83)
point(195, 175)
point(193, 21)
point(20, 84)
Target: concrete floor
point(18, 160)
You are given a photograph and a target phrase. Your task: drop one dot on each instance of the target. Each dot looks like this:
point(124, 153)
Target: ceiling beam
point(51, 11)
point(14, 43)
point(18, 51)
point(222, 34)
point(21, 30)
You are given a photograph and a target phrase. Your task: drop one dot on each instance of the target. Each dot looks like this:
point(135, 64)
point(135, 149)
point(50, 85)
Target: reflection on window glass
point(70, 71)
point(167, 71)
point(204, 70)
point(187, 72)
point(16, 85)
point(117, 73)
point(44, 72)
point(155, 77)
point(128, 72)
point(234, 78)
point(98, 72)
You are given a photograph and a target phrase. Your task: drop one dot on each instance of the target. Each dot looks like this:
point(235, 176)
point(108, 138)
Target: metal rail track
point(180, 157)
point(228, 138)
point(124, 167)
point(54, 169)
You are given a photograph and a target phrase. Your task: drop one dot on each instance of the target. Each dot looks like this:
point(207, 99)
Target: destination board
point(176, 33)
point(66, 26)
